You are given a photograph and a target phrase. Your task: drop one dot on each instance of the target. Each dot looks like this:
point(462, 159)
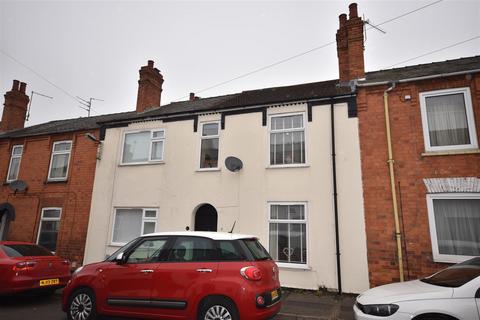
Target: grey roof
point(422, 70)
point(315, 90)
point(64, 126)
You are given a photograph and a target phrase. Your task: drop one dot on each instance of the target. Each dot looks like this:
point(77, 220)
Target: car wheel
point(81, 305)
point(218, 309)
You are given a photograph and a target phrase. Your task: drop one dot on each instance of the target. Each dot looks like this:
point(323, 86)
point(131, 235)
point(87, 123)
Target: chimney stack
point(350, 45)
point(192, 96)
point(15, 107)
point(149, 87)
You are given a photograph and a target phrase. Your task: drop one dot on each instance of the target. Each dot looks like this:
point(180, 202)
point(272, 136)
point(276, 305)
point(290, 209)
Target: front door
point(206, 218)
point(128, 285)
point(186, 277)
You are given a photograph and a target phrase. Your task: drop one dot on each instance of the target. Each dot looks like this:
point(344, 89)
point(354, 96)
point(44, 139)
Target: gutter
point(390, 161)
point(435, 76)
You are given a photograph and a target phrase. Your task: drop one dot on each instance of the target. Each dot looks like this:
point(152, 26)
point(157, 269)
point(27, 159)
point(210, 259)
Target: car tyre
point(82, 305)
point(218, 308)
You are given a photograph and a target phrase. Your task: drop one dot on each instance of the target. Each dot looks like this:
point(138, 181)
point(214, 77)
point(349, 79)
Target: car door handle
point(204, 270)
point(146, 271)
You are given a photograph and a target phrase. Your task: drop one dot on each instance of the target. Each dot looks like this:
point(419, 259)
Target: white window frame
point(69, 152)
point(11, 160)
point(437, 257)
point(48, 219)
point(152, 140)
point(202, 137)
point(305, 220)
point(144, 219)
point(270, 131)
point(468, 111)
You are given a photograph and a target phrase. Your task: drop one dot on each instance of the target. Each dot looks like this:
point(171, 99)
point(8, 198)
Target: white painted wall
point(176, 188)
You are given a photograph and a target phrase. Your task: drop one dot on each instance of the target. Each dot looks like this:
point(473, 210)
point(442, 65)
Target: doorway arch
point(206, 218)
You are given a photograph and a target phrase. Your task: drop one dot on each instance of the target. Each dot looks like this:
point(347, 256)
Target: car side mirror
point(120, 258)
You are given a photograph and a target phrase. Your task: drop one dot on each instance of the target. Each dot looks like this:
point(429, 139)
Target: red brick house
point(419, 131)
point(48, 171)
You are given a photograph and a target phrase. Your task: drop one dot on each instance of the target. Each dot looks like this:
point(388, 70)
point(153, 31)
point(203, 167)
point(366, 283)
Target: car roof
point(204, 234)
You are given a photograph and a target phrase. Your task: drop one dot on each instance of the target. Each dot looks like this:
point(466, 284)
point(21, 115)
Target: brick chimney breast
point(15, 107)
point(149, 87)
point(350, 46)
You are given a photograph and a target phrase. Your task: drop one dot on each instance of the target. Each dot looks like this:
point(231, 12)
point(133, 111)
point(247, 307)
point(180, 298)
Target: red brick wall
point(73, 196)
point(410, 168)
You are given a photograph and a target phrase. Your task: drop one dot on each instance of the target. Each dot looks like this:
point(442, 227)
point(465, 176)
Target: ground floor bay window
point(130, 223)
point(454, 226)
point(288, 234)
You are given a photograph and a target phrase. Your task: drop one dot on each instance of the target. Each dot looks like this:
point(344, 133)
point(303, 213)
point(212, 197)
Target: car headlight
point(380, 310)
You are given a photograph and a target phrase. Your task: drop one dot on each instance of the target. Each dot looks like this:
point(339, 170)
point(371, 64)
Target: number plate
point(274, 295)
point(49, 282)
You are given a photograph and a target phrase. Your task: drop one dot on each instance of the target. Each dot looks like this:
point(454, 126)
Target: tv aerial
point(31, 100)
point(372, 25)
point(87, 104)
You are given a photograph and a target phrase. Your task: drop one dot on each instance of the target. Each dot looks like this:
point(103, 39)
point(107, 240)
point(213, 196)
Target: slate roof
point(422, 70)
point(315, 90)
point(64, 126)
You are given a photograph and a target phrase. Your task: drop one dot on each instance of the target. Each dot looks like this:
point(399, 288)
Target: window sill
point(140, 164)
point(450, 152)
point(282, 166)
point(207, 169)
point(56, 181)
point(282, 265)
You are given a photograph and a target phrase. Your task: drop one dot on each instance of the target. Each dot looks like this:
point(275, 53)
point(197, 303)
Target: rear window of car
point(457, 275)
point(24, 250)
point(256, 249)
point(230, 251)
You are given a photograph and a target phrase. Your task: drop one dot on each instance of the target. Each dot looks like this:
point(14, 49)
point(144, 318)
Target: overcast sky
point(94, 49)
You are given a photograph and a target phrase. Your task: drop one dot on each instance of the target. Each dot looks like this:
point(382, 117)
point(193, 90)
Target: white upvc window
point(130, 223)
point(287, 139)
point(14, 166)
point(288, 233)
point(454, 220)
point(448, 121)
point(209, 142)
point(60, 160)
point(140, 147)
point(49, 228)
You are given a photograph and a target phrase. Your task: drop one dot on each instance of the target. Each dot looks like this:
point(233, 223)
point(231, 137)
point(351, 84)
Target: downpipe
point(393, 188)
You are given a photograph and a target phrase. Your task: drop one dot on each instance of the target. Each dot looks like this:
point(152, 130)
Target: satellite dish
point(18, 185)
point(233, 164)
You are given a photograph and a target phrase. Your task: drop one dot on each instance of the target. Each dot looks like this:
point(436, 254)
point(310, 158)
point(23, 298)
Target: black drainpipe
point(335, 200)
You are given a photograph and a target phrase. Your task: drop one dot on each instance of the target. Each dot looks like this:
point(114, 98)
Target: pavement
point(297, 305)
point(313, 305)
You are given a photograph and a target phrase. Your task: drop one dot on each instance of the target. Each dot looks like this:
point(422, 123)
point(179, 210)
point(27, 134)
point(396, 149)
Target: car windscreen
point(256, 249)
point(457, 275)
point(24, 250)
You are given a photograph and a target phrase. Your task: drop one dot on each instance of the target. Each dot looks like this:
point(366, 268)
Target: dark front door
point(206, 218)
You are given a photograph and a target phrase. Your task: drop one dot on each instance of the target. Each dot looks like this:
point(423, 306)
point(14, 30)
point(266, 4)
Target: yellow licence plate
point(49, 282)
point(274, 294)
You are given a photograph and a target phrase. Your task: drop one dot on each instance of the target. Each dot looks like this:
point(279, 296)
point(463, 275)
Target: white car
point(450, 294)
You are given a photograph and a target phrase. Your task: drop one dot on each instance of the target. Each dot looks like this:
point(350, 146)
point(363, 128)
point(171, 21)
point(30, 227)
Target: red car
point(181, 275)
point(25, 266)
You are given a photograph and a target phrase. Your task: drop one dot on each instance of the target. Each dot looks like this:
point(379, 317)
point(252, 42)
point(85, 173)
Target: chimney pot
point(23, 87)
point(192, 96)
point(343, 19)
point(150, 63)
point(353, 10)
point(16, 83)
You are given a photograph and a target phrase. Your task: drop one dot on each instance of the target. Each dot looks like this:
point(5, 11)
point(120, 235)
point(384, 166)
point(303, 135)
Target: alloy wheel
point(218, 312)
point(81, 307)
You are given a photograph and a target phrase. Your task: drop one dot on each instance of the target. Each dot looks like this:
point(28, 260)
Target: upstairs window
point(60, 160)
point(143, 147)
point(447, 118)
point(287, 140)
point(209, 146)
point(15, 160)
